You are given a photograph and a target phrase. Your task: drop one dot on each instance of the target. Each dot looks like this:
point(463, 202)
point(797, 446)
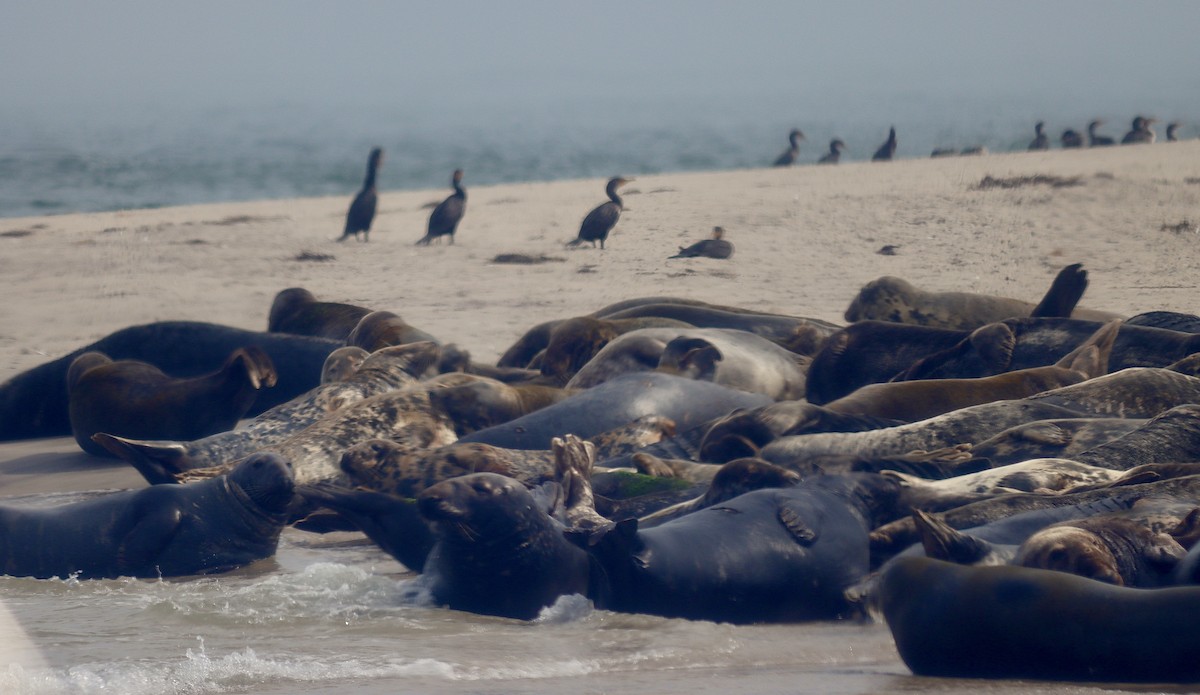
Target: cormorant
point(835, 152)
point(1071, 138)
point(1095, 140)
point(939, 152)
point(362, 208)
point(445, 217)
point(600, 221)
point(1140, 132)
point(789, 155)
point(1040, 140)
point(716, 247)
point(888, 149)
point(1171, 128)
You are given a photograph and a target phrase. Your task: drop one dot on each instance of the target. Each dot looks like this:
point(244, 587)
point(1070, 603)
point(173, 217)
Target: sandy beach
point(806, 239)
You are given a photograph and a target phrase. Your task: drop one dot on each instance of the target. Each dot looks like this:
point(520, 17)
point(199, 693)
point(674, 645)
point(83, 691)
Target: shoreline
point(806, 239)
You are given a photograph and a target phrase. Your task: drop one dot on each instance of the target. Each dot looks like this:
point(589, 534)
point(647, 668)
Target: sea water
point(153, 155)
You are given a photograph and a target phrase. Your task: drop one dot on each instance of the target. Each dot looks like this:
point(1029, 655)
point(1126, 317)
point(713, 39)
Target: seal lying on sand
point(297, 311)
point(130, 398)
point(34, 403)
point(164, 530)
point(1015, 622)
point(892, 299)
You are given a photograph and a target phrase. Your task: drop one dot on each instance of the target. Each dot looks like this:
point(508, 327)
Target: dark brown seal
point(297, 311)
point(380, 329)
point(135, 399)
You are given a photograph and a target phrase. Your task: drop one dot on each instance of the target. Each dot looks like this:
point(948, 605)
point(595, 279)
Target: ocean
point(55, 161)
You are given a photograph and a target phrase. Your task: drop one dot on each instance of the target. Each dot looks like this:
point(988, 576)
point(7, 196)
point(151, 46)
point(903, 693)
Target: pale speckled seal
point(130, 398)
point(1015, 622)
point(163, 530)
point(892, 299)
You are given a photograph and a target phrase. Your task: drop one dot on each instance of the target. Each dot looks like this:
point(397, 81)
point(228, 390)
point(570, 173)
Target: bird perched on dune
point(362, 208)
point(835, 152)
point(444, 219)
point(1094, 138)
point(789, 155)
point(888, 149)
point(600, 221)
point(716, 247)
point(1171, 128)
point(1140, 131)
point(1071, 139)
point(1040, 139)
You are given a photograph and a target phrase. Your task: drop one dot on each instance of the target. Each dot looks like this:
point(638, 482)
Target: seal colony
point(818, 519)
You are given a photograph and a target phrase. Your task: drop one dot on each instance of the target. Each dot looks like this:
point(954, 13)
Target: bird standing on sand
point(444, 219)
point(888, 149)
point(716, 247)
point(835, 152)
point(1071, 139)
point(789, 155)
point(1171, 128)
point(600, 221)
point(362, 208)
point(1095, 140)
point(1140, 132)
point(1040, 140)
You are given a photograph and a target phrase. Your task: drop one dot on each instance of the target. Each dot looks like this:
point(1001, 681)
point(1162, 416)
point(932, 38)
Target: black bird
point(789, 155)
point(362, 209)
point(1071, 138)
point(599, 222)
point(1140, 131)
point(1095, 140)
point(716, 247)
point(834, 154)
point(1171, 128)
point(888, 149)
point(1040, 140)
point(444, 219)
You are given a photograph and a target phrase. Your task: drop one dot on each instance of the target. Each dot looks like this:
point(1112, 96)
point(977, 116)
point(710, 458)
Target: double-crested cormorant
point(1095, 140)
point(1171, 128)
point(888, 149)
point(362, 209)
point(789, 155)
point(1140, 131)
point(444, 219)
point(1040, 141)
point(716, 247)
point(600, 221)
point(1071, 138)
point(835, 152)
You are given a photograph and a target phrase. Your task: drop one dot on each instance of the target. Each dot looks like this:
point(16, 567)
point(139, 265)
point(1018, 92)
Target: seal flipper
point(945, 543)
point(147, 539)
point(158, 462)
point(393, 523)
point(1091, 357)
point(1064, 293)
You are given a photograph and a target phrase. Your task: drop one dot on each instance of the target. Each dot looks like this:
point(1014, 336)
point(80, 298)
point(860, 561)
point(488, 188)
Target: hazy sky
point(83, 55)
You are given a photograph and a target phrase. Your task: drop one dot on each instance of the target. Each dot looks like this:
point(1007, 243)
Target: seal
point(744, 433)
point(733, 358)
point(380, 329)
point(34, 403)
point(618, 402)
point(486, 402)
point(163, 530)
point(297, 311)
point(1052, 439)
point(773, 555)
point(384, 371)
point(917, 400)
point(893, 299)
point(1016, 622)
point(130, 398)
point(575, 341)
point(803, 336)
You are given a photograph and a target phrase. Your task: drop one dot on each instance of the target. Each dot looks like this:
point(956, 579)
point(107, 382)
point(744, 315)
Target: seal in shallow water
point(164, 530)
point(1016, 622)
point(130, 398)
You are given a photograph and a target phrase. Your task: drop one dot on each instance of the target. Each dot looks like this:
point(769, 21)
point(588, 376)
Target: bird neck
point(612, 195)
